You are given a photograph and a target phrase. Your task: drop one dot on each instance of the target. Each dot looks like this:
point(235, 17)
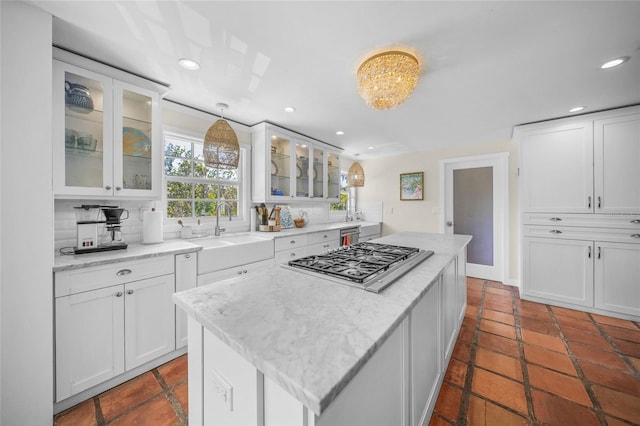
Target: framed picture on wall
point(412, 186)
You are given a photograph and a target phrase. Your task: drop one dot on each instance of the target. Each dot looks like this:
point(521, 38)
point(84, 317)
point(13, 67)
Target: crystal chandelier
point(355, 175)
point(221, 149)
point(386, 79)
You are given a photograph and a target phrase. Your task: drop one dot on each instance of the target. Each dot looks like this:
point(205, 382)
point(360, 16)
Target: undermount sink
point(232, 250)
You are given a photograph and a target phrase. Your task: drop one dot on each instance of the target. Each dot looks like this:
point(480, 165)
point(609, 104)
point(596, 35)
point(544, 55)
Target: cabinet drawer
point(291, 242)
point(91, 278)
point(585, 220)
point(287, 255)
point(322, 248)
point(581, 233)
point(323, 237)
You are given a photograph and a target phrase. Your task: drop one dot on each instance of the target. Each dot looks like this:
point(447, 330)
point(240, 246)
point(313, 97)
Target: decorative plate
point(298, 171)
point(135, 143)
point(274, 168)
point(286, 221)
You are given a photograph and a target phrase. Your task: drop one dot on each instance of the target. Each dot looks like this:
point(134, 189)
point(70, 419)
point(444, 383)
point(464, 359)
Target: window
point(193, 189)
point(344, 195)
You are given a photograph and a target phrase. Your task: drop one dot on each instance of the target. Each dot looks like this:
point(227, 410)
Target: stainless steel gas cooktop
point(370, 266)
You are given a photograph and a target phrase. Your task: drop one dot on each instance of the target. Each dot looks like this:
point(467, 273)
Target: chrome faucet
point(218, 228)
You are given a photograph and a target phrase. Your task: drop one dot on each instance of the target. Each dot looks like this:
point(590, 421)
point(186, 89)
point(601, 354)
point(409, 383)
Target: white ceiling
point(487, 65)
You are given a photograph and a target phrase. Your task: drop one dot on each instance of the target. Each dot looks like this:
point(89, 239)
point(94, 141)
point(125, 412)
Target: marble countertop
point(308, 334)
point(132, 252)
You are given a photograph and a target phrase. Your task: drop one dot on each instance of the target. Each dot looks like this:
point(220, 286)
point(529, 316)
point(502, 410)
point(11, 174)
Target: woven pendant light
point(221, 149)
point(355, 176)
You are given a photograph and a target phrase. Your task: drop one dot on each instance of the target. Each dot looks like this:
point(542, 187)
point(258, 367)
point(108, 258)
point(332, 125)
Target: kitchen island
point(290, 348)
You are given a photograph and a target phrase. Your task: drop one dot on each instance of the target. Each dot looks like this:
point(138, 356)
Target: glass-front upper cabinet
point(290, 166)
point(106, 136)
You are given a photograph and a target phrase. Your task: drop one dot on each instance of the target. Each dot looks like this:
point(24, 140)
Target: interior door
point(474, 201)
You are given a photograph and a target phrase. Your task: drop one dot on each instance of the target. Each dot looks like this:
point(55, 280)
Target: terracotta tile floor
point(517, 362)
point(157, 398)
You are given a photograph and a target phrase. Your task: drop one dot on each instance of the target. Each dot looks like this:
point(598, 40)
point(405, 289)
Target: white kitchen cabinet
point(557, 168)
point(186, 278)
point(110, 145)
point(149, 320)
point(582, 165)
point(558, 269)
point(617, 164)
point(89, 339)
point(461, 291)
point(427, 365)
point(288, 166)
point(111, 319)
point(449, 308)
point(322, 242)
point(617, 277)
point(223, 274)
point(290, 247)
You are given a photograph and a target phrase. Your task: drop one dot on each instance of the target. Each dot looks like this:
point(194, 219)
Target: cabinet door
point(426, 358)
point(281, 168)
point(303, 169)
point(617, 277)
point(89, 339)
point(557, 169)
point(558, 269)
point(137, 141)
point(617, 164)
point(449, 308)
point(186, 278)
point(82, 132)
point(149, 320)
point(318, 172)
point(333, 176)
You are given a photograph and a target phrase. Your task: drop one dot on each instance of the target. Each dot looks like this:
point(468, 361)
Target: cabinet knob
point(108, 187)
point(129, 291)
point(187, 256)
point(635, 235)
point(599, 202)
point(555, 231)
point(244, 271)
point(599, 252)
point(589, 201)
point(292, 242)
point(119, 294)
point(240, 272)
point(292, 255)
point(555, 219)
point(635, 221)
point(118, 188)
point(122, 272)
point(589, 255)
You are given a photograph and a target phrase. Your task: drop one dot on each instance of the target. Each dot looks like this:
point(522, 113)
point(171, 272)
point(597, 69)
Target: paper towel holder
point(152, 229)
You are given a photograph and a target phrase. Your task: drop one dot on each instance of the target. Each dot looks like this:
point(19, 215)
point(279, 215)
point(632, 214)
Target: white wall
point(26, 217)
point(383, 183)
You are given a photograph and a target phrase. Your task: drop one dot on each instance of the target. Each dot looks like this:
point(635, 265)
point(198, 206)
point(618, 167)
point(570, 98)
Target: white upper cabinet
point(289, 166)
point(617, 164)
point(588, 164)
point(106, 136)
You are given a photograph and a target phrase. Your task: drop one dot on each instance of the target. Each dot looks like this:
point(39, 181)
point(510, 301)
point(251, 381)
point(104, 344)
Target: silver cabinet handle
point(589, 201)
point(108, 187)
point(635, 235)
point(122, 272)
point(239, 272)
point(325, 236)
point(635, 221)
point(599, 202)
point(187, 256)
point(292, 242)
point(129, 291)
point(118, 188)
point(599, 252)
point(555, 231)
point(589, 255)
point(555, 219)
point(244, 271)
point(119, 294)
point(292, 255)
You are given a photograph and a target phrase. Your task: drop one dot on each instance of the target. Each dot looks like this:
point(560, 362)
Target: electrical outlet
point(222, 388)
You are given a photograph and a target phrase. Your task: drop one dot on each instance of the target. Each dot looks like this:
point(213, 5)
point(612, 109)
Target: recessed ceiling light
point(289, 109)
point(614, 62)
point(577, 109)
point(339, 133)
point(189, 64)
point(371, 147)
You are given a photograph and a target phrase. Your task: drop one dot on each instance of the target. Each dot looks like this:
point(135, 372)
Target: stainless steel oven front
point(349, 236)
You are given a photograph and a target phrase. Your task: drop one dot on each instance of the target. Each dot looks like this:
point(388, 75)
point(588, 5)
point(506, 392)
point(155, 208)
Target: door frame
point(500, 162)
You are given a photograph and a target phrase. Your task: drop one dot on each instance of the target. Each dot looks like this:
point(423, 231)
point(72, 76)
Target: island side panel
point(195, 358)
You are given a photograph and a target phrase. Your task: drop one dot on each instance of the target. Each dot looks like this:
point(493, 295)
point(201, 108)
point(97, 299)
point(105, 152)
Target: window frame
point(239, 220)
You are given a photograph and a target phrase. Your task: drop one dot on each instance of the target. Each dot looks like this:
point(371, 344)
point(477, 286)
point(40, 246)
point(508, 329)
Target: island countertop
point(308, 334)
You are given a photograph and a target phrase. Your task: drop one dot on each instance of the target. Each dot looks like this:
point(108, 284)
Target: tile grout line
point(173, 400)
point(616, 350)
point(596, 408)
point(98, 408)
point(523, 364)
point(463, 410)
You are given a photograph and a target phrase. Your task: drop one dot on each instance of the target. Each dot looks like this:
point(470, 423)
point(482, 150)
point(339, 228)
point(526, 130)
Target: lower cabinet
point(450, 314)
point(223, 274)
point(617, 277)
point(102, 333)
point(186, 278)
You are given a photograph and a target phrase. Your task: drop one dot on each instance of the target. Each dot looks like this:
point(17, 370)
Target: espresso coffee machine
point(90, 220)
